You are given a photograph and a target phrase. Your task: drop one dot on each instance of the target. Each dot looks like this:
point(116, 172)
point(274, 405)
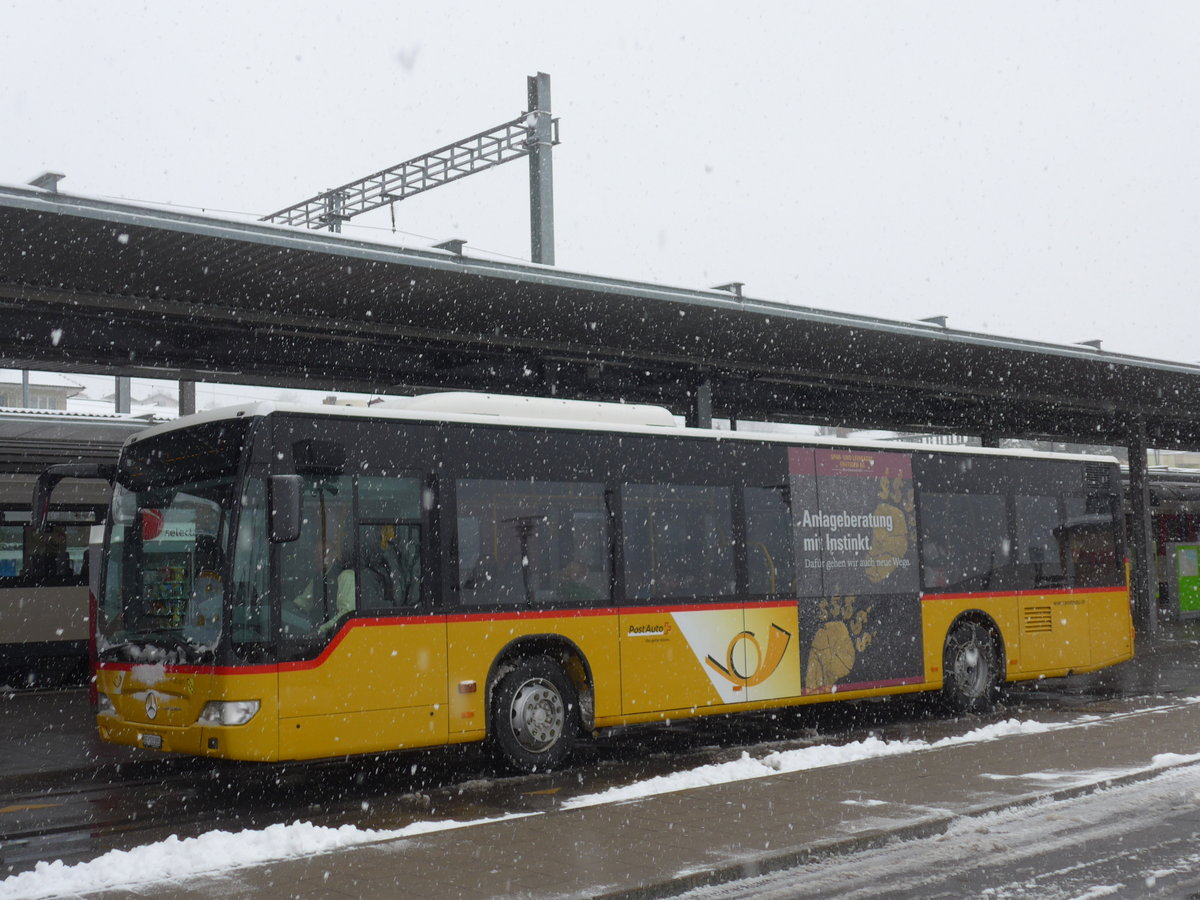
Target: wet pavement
point(662, 845)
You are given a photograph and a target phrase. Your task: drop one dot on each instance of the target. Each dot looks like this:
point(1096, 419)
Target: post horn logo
point(764, 666)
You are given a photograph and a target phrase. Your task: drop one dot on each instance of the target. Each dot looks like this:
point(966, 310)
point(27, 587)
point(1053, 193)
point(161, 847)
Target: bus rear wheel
point(534, 715)
point(970, 668)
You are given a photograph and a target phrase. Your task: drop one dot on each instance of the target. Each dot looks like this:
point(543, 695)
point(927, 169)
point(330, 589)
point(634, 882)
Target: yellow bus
point(287, 583)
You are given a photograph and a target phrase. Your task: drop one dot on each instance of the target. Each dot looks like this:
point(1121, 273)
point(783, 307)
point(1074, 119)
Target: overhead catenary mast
point(532, 134)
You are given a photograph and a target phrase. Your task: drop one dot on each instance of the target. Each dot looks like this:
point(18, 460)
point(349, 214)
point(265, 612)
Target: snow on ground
point(221, 851)
point(816, 757)
point(217, 851)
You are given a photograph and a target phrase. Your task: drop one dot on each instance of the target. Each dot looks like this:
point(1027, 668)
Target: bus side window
point(1038, 561)
point(532, 543)
point(390, 563)
point(318, 575)
point(678, 541)
point(770, 558)
point(1089, 543)
point(964, 541)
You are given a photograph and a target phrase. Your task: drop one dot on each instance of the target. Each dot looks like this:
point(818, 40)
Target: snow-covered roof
point(267, 407)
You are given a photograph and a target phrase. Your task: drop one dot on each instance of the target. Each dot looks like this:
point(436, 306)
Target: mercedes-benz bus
point(288, 583)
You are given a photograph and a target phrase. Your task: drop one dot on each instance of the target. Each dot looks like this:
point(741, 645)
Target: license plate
point(152, 741)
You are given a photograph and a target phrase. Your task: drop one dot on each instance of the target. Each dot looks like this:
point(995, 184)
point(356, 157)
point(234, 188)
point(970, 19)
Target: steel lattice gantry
point(531, 135)
point(328, 209)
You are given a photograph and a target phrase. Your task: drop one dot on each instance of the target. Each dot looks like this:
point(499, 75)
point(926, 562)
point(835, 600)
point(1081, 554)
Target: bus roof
point(516, 412)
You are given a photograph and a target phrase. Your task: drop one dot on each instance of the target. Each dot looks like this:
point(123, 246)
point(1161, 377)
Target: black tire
point(534, 715)
point(970, 668)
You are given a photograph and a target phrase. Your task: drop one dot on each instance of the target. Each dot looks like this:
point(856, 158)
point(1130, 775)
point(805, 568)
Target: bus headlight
point(104, 706)
point(228, 712)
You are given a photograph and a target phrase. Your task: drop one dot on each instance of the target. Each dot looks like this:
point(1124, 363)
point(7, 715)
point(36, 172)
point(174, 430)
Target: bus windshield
point(163, 596)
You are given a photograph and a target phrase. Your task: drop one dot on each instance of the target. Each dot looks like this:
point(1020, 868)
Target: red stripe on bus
point(1056, 592)
point(614, 611)
point(680, 608)
point(529, 614)
point(864, 686)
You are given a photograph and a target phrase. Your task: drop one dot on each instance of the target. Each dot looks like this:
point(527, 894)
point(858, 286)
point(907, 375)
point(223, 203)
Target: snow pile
point(1163, 760)
point(149, 673)
point(784, 761)
point(215, 852)
point(1071, 777)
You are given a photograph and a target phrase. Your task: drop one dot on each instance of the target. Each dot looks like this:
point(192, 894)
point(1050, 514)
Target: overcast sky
point(1028, 169)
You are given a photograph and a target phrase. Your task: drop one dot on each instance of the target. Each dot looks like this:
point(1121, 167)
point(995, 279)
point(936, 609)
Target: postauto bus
point(287, 583)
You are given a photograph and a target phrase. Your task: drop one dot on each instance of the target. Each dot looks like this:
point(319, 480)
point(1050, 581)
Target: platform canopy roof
point(101, 286)
point(31, 439)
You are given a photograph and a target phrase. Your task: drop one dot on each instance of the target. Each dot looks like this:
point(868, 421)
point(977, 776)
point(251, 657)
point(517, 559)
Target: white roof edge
point(266, 407)
point(510, 406)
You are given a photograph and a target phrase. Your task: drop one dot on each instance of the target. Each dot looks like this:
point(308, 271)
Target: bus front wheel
point(535, 715)
point(971, 668)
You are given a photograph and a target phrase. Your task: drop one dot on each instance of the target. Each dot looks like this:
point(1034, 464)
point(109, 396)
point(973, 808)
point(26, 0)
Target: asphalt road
point(1138, 840)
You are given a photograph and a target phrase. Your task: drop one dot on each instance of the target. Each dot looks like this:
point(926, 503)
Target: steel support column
point(187, 397)
point(541, 171)
point(123, 395)
point(700, 415)
point(1143, 576)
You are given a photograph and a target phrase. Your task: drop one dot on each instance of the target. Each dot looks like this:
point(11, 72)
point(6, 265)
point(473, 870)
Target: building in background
point(47, 390)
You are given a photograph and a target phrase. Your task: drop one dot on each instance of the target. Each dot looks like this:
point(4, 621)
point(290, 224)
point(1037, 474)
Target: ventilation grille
point(1037, 619)
point(1097, 479)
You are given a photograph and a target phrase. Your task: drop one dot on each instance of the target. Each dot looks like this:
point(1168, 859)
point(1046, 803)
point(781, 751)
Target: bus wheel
point(535, 715)
point(971, 668)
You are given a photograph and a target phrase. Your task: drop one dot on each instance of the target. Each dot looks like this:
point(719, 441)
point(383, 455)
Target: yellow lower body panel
point(373, 731)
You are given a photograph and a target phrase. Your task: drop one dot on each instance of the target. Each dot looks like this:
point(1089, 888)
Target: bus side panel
point(1055, 632)
point(475, 642)
point(939, 612)
point(1111, 622)
point(864, 641)
point(682, 658)
point(258, 739)
point(379, 685)
point(371, 731)
point(773, 639)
